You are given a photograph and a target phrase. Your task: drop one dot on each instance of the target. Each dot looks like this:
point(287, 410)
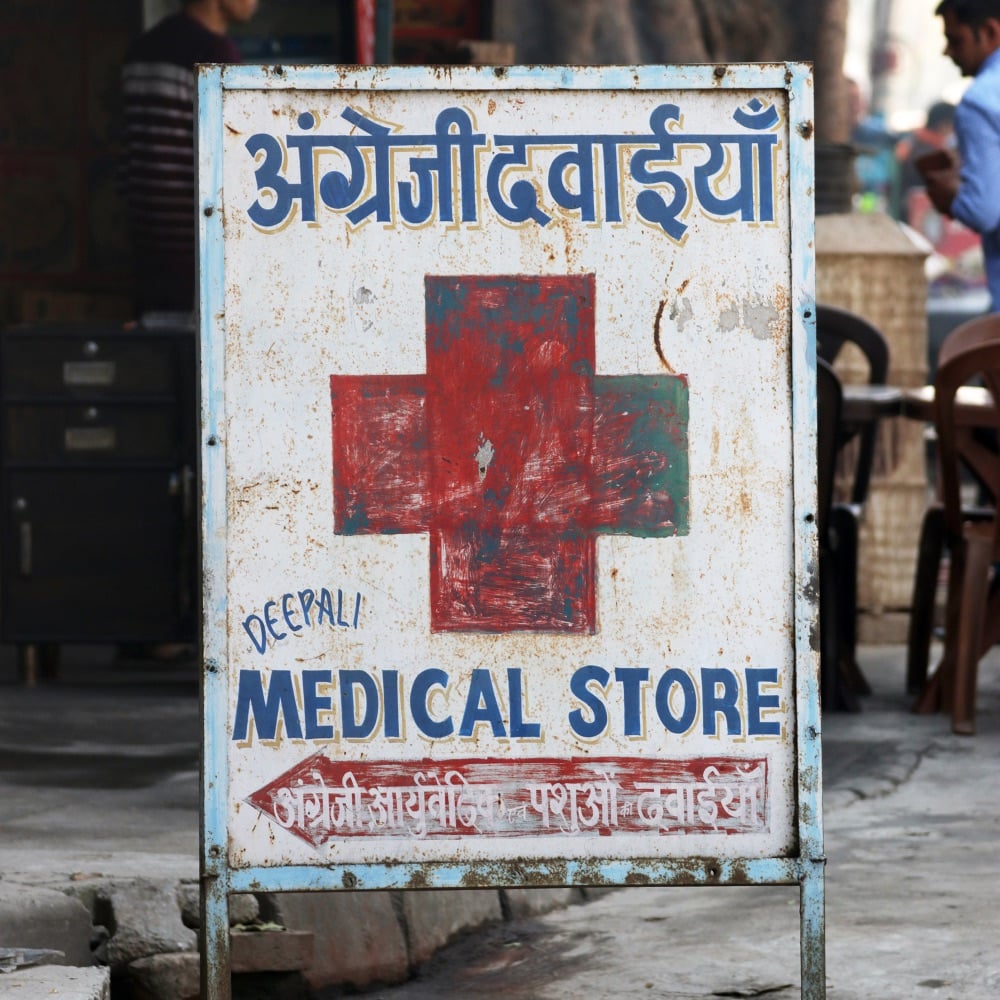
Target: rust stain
point(806, 130)
point(418, 880)
point(234, 131)
point(570, 250)
point(637, 878)
point(657, 343)
point(491, 106)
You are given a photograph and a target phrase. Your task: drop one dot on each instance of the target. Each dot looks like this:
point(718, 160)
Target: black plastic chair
point(829, 397)
point(835, 328)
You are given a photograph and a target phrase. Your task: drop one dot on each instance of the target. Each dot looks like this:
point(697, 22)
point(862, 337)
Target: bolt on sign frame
point(508, 466)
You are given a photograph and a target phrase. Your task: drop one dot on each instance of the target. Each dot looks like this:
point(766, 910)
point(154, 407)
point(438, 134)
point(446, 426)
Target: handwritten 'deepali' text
point(302, 609)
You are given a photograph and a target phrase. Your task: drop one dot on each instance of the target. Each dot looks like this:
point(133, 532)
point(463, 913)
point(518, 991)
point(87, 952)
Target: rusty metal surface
point(391, 688)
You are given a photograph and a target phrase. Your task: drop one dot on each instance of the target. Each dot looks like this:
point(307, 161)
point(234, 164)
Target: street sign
point(509, 479)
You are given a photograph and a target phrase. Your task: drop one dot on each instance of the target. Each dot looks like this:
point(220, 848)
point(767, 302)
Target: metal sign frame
point(805, 865)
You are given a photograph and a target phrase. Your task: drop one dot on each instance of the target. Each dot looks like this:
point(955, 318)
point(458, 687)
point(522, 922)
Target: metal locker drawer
point(37, 364)
point(78, 434)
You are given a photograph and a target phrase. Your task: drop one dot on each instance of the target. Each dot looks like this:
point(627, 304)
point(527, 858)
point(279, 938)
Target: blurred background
point(63, 243)
point(111, 497)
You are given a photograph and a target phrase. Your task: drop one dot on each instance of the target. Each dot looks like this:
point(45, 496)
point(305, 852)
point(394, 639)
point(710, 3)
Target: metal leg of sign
point(812, 929)
point(216, 978)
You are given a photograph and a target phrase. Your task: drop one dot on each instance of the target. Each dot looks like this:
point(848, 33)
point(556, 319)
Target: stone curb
point(45, 918)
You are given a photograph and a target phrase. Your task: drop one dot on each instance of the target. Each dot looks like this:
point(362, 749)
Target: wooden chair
point(835, 328)
point(972, 615)
point(930, 549)
point(836, 694)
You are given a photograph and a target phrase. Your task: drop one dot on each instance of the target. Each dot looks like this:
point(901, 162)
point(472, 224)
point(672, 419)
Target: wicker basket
point(870, 265)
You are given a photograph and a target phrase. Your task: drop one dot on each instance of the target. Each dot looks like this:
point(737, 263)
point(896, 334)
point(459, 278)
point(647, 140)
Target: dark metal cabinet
point(97, 458)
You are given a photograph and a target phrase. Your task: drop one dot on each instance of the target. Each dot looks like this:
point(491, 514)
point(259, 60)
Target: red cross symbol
point(511, 453)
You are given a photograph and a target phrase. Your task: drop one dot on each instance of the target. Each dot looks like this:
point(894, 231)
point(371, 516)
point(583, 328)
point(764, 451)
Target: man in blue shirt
point(968, 189)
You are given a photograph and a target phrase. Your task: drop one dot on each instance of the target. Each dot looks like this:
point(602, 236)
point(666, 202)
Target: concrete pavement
point(98, 776)
point(99, 771)
point(99, 785)
point(913, 879)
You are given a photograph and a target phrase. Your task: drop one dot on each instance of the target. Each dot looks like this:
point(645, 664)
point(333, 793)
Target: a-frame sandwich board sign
point(509, 482)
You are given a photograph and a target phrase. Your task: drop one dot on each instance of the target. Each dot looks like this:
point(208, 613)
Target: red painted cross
point(511, 453)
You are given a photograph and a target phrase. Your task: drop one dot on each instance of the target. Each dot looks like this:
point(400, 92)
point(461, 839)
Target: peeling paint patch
point(729, 320)
point(681, 312)
point(484, 455)
point(761, 319)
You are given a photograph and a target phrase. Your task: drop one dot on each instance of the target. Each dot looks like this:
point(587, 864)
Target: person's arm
point(976, 202)
point(939, 171)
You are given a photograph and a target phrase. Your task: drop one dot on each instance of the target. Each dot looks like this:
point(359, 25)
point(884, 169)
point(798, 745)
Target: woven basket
point(887, 543)
point(870, 266)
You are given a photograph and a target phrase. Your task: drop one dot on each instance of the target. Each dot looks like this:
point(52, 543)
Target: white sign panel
point(501, 498)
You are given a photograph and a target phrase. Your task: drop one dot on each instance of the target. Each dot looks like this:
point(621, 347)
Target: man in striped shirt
point(158, 87)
